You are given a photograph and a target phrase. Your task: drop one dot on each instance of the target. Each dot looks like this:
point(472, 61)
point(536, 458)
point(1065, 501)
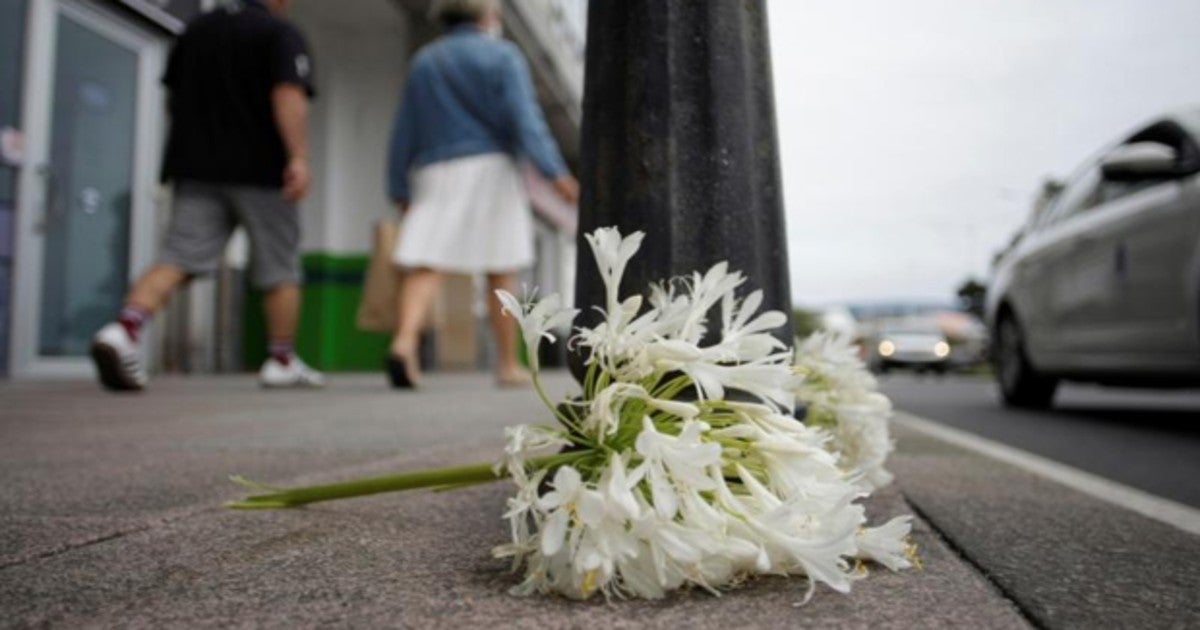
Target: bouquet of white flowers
point(841, 396)
point(680, 463)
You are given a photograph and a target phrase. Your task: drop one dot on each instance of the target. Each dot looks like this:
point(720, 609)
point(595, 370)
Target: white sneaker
point(118, 360)
point(295, 374)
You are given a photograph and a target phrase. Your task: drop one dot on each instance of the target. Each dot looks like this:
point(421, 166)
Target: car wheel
point(1020, 384)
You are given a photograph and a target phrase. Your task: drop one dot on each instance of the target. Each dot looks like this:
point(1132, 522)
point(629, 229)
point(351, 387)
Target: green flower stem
point(541, 392)
point(589, 381)
point(671, 389)
point(575, 429)
point(436, 478)
point(292, 497)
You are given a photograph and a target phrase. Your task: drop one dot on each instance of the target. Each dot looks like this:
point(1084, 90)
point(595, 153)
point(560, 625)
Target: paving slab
point(112, 518)
point(79, 463)
point(421, 560)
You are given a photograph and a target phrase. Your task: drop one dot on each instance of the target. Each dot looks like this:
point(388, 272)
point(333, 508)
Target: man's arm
point(290, 104)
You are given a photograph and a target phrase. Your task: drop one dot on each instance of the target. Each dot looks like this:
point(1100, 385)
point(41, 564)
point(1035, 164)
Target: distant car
point(967, 336)
point(1104, 284)
point(916, 343)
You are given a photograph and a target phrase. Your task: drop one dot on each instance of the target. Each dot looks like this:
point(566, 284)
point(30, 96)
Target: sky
point(914, 134)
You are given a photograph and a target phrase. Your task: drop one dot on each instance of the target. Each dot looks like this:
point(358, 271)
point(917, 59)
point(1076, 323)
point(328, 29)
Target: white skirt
point(467, 215)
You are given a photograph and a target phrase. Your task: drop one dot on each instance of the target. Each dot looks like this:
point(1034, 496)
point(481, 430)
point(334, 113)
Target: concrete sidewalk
point(110, 516)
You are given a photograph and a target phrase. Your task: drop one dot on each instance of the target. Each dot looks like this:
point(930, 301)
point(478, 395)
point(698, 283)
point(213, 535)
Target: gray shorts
point(204, 217)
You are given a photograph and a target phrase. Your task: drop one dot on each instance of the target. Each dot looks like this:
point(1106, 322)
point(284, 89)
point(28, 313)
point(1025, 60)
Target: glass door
point(89, 182)
point(93, 153)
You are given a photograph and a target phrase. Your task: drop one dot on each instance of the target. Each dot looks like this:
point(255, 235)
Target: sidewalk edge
point(1166, 511)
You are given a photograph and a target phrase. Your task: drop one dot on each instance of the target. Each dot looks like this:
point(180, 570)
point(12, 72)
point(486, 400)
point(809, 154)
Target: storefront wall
point(361, 52)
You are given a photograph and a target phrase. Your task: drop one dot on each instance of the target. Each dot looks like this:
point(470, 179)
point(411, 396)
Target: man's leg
point(148, 294)
point(200, 227)
point(504, 329)
point(273, 225)
point(282, 307)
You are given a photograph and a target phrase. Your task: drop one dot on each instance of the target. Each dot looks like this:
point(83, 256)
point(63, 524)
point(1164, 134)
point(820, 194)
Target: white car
point(916, 343)
point(1103, 284)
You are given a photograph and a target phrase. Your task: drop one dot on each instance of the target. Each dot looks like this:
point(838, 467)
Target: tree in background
point(971, 294)
point(807, 321)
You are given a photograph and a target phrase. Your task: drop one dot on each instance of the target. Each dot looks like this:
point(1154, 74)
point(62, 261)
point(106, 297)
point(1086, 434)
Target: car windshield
point(912, 328)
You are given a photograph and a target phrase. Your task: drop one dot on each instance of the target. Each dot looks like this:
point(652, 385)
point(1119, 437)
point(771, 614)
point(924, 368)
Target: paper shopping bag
point(377, 306)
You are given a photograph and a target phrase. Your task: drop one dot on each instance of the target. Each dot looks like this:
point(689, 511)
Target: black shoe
point(398, 373)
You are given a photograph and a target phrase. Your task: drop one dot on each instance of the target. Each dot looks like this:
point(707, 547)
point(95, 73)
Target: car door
point(1155, 233)
point(1093, 294)
point(1151, 245)
point(1050, 273)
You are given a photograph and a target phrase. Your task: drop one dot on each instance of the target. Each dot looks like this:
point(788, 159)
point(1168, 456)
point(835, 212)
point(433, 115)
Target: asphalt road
point(1147, 439)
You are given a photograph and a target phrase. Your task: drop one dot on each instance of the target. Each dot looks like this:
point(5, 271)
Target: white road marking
point(1165, 510)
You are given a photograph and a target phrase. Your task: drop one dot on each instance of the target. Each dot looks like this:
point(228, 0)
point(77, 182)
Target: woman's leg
point(504, 329)
point(416, 295)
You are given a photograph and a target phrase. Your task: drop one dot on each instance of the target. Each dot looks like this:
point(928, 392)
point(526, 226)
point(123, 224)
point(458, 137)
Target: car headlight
point(886, 348)
point(941, 349)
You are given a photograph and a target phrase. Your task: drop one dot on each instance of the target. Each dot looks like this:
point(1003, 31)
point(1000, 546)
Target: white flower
point(863, 441)
point(744, 336)
point(612, 253)
point(537, 321)
point(676, 462)
point(672, 354)
point(888, 544)
point(833, 358)
point(670, 483)
point(523, 441)
point(605, 541)
point(768, 380)
point(841, 395)
point(570, 499)
point(605, 415)
point(706, 291)
point(796, 538)
point(616, 486)
point(520, 513)
point(669, 554)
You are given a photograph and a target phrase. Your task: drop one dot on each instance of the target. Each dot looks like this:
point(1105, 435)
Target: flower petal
point(554, 531)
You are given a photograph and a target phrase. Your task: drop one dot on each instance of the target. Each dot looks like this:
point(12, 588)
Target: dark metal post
point(679, 142)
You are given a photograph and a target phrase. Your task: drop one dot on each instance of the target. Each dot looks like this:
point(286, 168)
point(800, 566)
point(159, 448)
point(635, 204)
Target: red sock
point(282, 350)
point(133, 317)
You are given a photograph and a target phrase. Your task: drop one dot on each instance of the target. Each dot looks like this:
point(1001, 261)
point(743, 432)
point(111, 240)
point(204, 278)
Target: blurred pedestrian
point(467, 114)
point(239, 80)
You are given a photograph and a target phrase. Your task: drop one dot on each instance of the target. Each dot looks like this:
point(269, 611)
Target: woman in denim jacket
point(467, 114)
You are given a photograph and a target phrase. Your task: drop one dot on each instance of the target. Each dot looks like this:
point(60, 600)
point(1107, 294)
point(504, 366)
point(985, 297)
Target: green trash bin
point(327, 337)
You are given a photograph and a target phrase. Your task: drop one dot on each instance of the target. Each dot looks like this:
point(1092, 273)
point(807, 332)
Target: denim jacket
point(501, 114)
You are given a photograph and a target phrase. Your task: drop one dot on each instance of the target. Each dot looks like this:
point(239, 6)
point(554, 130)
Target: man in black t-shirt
point(239, 80)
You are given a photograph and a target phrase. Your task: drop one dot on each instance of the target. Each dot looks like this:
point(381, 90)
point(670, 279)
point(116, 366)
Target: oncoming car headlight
point(886, 348)
point(941, 349)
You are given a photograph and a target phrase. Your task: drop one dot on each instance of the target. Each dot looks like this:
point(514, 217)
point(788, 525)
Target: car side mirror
point(1140, 160)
